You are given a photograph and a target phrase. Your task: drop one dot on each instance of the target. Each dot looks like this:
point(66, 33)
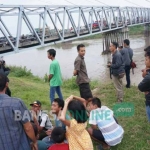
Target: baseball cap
point(36, 103)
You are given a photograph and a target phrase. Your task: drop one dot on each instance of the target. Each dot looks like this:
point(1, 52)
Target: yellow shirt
point(77, 136)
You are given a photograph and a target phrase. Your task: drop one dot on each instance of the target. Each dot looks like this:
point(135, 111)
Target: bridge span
point(55, 24)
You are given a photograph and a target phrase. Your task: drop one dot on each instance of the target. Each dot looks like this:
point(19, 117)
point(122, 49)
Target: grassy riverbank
point(135, 30)
point(29, 88)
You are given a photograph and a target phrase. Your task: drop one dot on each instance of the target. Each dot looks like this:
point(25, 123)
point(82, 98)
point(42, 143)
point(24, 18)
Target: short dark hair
point(58, 135)
point(96, 101)
point(120, 46)
point(147, 54)
point(127, 42)
point(147, 49)
point(79, 46)
point(60, 102)
point(52, 52)
point(115, 44)
point(78, 111)
point(3, 81)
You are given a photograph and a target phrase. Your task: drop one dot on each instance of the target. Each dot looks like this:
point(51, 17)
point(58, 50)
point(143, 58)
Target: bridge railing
point(39, 25)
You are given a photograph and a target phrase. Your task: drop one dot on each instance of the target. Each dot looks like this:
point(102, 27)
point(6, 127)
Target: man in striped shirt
point(109, 132)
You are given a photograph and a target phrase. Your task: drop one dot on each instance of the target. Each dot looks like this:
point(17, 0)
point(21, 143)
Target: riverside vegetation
point(135, 30)
point(29, 88)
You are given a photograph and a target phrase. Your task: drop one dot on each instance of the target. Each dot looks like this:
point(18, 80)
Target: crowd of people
point(21, 129)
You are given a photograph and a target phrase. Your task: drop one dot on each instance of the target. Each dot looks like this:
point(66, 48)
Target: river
point(36, 59)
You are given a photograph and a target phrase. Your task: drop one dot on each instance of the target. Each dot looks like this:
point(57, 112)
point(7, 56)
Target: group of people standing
point(80, 71)
point(120, 66)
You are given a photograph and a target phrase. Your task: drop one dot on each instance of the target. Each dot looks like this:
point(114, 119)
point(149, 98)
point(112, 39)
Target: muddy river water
point(36, 59)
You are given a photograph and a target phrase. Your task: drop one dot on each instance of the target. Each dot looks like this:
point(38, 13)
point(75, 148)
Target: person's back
point(127, 54)
point(76, 133)
point(78, 137)
point(112, 132)
point(55, 70)
point(109, 131)
point(13, 136)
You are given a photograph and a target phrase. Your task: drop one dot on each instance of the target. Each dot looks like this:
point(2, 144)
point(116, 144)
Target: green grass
point(135, 30)
point(137, 129)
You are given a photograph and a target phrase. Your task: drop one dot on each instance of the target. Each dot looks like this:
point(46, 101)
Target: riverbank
point(29, 88)
point(135, 30)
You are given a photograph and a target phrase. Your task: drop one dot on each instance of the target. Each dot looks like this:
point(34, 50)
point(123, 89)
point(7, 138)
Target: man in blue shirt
point(16, 131)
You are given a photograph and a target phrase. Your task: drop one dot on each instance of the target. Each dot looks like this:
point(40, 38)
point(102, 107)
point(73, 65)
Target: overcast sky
point(122, 3)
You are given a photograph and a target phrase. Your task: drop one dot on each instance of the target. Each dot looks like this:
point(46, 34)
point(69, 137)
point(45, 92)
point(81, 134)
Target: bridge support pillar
point(114, 36)
point(147, 34)
point(147, 30)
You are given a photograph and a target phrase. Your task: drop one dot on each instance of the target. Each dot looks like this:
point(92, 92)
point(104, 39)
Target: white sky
point(121, 3)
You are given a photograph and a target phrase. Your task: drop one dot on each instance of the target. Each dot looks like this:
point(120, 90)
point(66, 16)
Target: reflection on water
point(37, 61)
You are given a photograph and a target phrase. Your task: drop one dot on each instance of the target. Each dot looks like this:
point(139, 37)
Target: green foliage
point(20, 72)
point(70, 83)
point(136, 30)
point(136, 127)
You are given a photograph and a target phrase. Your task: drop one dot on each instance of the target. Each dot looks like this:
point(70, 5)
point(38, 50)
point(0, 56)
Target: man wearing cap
point(40, 118)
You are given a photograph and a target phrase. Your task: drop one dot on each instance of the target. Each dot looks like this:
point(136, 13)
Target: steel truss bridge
point(54, 24)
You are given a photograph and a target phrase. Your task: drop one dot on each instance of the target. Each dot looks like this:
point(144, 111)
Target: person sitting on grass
point(41, 144)
point(40, 118)
point(76, 133)
point(56, 108)
point(109, 132)
point(58, 136)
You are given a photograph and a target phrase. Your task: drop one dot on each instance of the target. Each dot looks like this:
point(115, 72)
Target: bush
point(20, 71)
point(70, 83)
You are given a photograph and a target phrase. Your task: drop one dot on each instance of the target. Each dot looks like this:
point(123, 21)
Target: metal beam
point(32, 28)
point(9, 41)
point(54, 24)
point(72, 21)
point(19, 28)
point(5, 26)
point(44, 24)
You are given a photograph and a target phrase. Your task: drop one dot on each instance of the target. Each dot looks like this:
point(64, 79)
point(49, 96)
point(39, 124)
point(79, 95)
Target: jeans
point(49, 142)
point(148, 112)
point(127, 71)
point(54, 89)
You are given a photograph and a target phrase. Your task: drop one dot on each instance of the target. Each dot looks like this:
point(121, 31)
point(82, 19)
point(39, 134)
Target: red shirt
point(63, 146)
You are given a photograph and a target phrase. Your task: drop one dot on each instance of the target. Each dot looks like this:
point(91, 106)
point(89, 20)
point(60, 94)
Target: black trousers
point(127, 71)
point(42, 135)
point(85, 91)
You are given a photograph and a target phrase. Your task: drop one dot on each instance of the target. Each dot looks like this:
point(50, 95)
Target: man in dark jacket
point(127, 54)
point(117, 68)
point(144, 85)
point(5, 70)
